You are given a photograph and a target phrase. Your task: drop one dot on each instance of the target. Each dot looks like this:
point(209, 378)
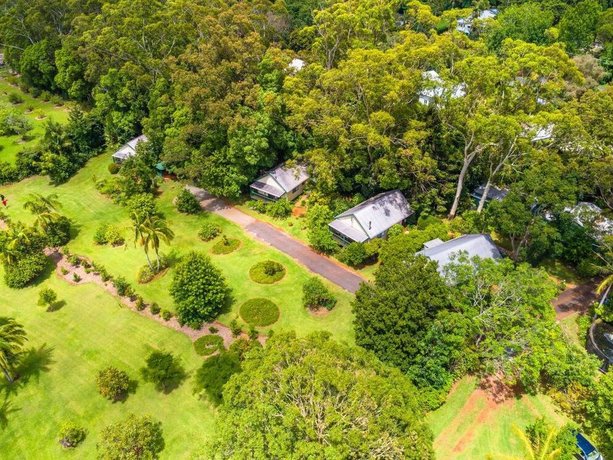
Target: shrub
point(137, 437)
point(123, 287)
point(259, 312)
point(395, 230)
point(45, 95)
point(108, 234)
point(166, 315)
point(56, 100)
point(58, 232)
point(12, 122)
point(320, 237)
point(25, 270)
point(15, 98)
point(146, 273)
point(258, 206)
point(213, 330)
point(140, 304)
point(316, 295)
point(76, 278)
point(71, 435)
point(65, 271)
point(214, 373)
point(208, 344)
point(226, 245)
point(209, 231)
point(46, 297)
point(163, 370)
point(114, 168)
point(187, 203)
point(354, 254)
point(29, 108)
point(235, 328)
point(267, 272)
point(142, 204)
point(198, 289)
point(253, 333)
point(74, 260)
point(112, 383)
point(100, 234)
point(279, 209)
point(154, 308)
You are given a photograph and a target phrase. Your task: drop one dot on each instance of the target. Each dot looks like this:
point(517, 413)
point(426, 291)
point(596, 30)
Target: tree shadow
point(7, 408)
point(132, 387)
point(229, 300)
point(55, 306)
point(34, 362)
point(174, 381)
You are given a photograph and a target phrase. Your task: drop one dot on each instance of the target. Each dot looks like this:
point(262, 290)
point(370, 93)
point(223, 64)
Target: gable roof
point(494, 193)
point(129, 149)
point(297, 64)
point(474, 245)
point(285, 180)
point(374, 216)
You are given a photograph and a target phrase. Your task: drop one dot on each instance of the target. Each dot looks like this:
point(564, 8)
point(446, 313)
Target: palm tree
point(543, 450)
point(14, 240)
point(156, 230)
point(140, 231)
point(12, 338)
point(44, 208)
point(605, 284)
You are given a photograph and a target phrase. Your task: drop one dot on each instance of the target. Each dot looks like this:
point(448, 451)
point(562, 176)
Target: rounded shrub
point(208, 344)
point(226, 246)
point(316, 295)
point(166, 315)
point(155, 308)
point(267, 272)
point(187, 203)
point(71, 435)
point(113, 383)
point(259, 312)
point(209, 231)
point(114, 168)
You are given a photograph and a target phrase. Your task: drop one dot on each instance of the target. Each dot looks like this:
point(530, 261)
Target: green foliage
point(12, 338)
point(155, 308)
point(164, 371)
point(123, 287)
point(187, 203)
point(235, 328)
point(209, 231)
point(225, 245)
point(578, 25)
point(215, 373)
point(267, 272)
point(136, 437)
point(58, 232)
point(545, 439)
point(25, 270)
point(109, 234)
point(279, 209)
point(208, 344)
point(113, 383)
point(37, 65)
point(114, 168)
point(528, 22)
point(71, 435)
point(146, 273)
point(279, 383)
point(320, 237)
point(15, 98)
point(12, 122)
point(141, 205)
point(406, 244)
point(198, 289)
point(259, 312)
point(353, 254)
point(316, 295)
point(166, 315)
point(46, 297)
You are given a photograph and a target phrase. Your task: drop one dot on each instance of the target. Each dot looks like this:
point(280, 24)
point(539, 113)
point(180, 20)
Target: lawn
point(37, 111)
point(470, 426)
point(89, 209)
point(91, 331)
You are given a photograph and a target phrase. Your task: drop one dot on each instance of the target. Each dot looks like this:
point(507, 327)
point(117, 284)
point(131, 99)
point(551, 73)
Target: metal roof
point(129, 149)
point(494, 193)
point(286, 178)
point(474, 245)
point(376, 215)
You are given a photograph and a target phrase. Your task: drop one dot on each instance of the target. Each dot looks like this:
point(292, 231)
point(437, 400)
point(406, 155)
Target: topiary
point(259, 312)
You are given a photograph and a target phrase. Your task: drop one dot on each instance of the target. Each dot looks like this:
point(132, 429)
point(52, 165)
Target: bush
point(187, 203)
point(137, 437)
point(395, 230)
point(140, 304)
point(25, 270)
point(198, 289)
point(354, 254)
point(58, 232)
point(114, 236)
point(279, 209)
point(253, 333)
point(76, 278)
point(258, 206)
point(45, 95)
point(74, 260)
point(15, 98)
point(154, 308)
point(163, 370)
point(320, 237)
point(146, 273)
point(267, 272)
point(46, 297)
point(208, 344)
point(112, 383)
point(226, 245)
point(114, 168)
point(235, 328)
point(57, 100)
point(123, 287)
point(71, 435)
point(213, 330)
point(209, 231)
point(259, 312)
point(316, 295)
point(12, 122)
point(143, 205)
point(214, 373)
point(166, 315)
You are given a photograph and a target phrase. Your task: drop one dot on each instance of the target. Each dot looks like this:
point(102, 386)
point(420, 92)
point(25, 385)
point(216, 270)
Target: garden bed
point(259, 312)
point(267, 272)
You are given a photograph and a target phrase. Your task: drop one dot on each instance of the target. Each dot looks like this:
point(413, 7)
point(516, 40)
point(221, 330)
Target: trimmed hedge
point(267, 272)
point(259, 312)
point(208, 344)
point(226, 246)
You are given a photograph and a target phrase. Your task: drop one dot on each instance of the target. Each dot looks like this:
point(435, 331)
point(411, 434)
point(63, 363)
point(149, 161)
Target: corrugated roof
point(263, 187)
point(475, 245)
point(379, 213)
point(287, 178)
point(494, 193)
point(129, 149)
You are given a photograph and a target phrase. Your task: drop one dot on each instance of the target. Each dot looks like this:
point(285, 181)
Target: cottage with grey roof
point(128, 150)
point(474, 245)
point(493, 194)
point(371, 218)
point(280, 182)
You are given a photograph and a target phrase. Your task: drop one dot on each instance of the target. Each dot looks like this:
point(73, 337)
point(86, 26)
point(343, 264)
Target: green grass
point(68, 347)
point(468, 426)
point(225, 246)
point(258, 272)
point(259, 312)
point(561, 272)
point(208, 344)
point(89, 209)
point(11, 145)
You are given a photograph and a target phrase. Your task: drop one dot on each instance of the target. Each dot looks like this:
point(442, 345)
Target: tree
point(135, 438)
point(47, 297)
point(215, 373)
point(579, 23)
point(316, 295)
point(12, 339)
point(313, 397)
point(393, 313)
point(12, 122)
point(527, 21)
point(163, 370)
point(542, 441)
point(22, 254)
point(37, 65)
point(198, 289)
point(44, 208)
point(149, 232)
point(113, 383)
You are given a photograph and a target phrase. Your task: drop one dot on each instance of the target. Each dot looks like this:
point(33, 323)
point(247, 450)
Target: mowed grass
point(88, 209)
point(89, 332)
point(11, 145)
point(470, 427)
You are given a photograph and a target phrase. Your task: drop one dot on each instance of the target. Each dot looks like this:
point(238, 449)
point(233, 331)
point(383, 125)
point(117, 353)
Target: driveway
point(576, 299)
point(266, 233)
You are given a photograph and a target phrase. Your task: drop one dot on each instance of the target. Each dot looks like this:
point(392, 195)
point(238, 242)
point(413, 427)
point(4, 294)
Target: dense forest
point(433, 98)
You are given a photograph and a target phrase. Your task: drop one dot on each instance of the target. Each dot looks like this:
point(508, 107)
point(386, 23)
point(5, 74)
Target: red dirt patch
point(319, 312)
point(575, 299)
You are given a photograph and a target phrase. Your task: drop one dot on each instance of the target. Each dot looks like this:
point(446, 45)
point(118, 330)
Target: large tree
point(12, 339)
point(313, 397)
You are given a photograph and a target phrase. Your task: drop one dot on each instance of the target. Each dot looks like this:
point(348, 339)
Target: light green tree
point(12, 339)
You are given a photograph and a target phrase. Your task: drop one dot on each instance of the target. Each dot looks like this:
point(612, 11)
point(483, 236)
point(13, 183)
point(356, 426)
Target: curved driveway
point(266, 233)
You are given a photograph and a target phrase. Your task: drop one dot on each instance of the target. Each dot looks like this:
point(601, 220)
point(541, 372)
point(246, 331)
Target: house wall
point(295, 193)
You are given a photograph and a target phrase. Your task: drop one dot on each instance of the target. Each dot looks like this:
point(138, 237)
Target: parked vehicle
point(588, 451)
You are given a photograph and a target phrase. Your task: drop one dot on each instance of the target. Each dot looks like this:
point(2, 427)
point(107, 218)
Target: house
point(434, 88)
point(474, 245)
point(543, 134)
point(371, 218)
point(465, 25)
point(128, 150)
point(280, 182)
point(493, 194)
point(585, 213)
point(297, 65)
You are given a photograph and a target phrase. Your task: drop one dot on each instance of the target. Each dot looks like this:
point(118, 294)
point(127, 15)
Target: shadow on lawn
point(32, 364)
point(7, 408)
